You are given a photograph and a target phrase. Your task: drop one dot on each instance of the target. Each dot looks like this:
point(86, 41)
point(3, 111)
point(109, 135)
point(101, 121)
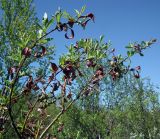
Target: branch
point(52, 122)
point(59, 115)
point(13, 124)
point(14, 82)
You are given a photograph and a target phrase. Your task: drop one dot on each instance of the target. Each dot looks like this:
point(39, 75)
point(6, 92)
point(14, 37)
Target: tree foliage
point(88, 94)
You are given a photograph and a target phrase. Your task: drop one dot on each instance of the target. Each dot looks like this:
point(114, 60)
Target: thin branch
point(13, 124)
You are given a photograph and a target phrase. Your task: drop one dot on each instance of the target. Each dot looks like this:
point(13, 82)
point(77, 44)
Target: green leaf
point(130, 53)
point(58, 16)
point(50, 22)
point(128, 47)
point(105, 46)
point(40, 33)
point(39, 26)
point(102, 56)
point(98, 54)
point(83, 9)
point(77, 12)
point(101, 38)
point(49, 39)
point(66, 15)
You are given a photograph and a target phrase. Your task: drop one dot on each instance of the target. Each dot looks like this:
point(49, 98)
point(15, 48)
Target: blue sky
point(121, 21)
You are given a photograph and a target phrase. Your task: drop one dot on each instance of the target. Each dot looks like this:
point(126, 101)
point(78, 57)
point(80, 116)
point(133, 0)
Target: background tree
point(130, 112)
